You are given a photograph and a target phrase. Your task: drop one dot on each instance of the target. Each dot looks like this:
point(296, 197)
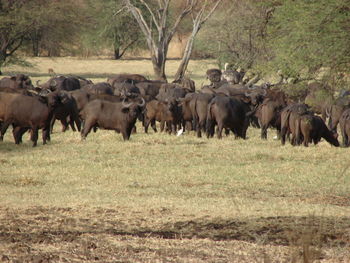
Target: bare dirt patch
point(41, 234)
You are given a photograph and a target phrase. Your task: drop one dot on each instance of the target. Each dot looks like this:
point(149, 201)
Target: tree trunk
point(185, 59)
point(117, 53)
point(35, 45)
point(159, 69)
point(2, 60)
point(187, 53)
point(159, 60)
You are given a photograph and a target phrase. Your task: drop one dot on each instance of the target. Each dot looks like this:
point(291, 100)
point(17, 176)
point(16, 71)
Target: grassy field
point(162, 198)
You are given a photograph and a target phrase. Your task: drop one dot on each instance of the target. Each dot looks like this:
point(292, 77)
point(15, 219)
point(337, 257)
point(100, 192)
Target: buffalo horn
point(53, 83)
point(264, 92)
point(247, 94)
point(126, 105)
point(32, 91)
point(142, 103)
point(251, 87)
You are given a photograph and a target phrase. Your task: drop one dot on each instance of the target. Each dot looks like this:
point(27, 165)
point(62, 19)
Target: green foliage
point(112, 29)
point(42, 24)
point(235, 34)
point(309, 35)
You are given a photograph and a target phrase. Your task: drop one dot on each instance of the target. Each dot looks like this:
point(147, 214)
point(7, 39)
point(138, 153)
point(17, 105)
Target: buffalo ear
point(43, 99)
point(125, 109)
point(246, 99)
point(63, 97)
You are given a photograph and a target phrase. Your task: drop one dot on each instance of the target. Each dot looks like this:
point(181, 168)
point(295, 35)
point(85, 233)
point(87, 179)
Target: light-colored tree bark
point(198, 20)
point(158, 40)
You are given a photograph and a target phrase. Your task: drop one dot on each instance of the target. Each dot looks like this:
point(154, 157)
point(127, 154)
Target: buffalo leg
point(162, 124)
point(75, 119)
point(65, 125)
point(126, 133)
point(264, 132)
point(126, 136)
point(146, 124)
point(283, 135)
point(153, 124)
point(16, 134)
point(227, 132)
point(87, 128)
point(219, 130)
point(34, 136)
point(133, 130)
point(4, 127)
point(52, 123)
point(46, 135)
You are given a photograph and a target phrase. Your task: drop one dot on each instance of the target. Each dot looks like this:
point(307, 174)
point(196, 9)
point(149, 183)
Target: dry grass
point(161, 198)
point(99, 69)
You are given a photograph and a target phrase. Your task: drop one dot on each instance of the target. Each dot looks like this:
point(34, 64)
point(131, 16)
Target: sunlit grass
point(157, 180)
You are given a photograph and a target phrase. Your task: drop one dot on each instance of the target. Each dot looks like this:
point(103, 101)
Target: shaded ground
point(41, 234)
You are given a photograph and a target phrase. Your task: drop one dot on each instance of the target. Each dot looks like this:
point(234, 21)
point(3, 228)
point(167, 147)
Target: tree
point(198, 20)
point(61, 23)
point(113, 29)
point(162, 27)
point(237, 34)
point(307, 36)
point(16, 23)
point(39, 22)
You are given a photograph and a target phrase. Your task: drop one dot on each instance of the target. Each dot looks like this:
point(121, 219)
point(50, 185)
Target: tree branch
point(15, 48)
point(127, 46)
point(188, 8)
point(151, 12)
point(212, 11)
point(136, 12)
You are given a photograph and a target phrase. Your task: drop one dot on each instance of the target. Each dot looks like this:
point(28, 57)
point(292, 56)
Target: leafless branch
point(212, 10)
point(151, 13)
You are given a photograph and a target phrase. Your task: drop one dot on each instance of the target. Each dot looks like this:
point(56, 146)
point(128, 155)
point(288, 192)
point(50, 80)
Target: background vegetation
point(301, 40)
point(169, 199)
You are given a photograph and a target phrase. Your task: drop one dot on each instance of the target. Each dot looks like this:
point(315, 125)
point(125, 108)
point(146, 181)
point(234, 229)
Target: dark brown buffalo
point(269, 115)
point(67, 112)
point(99, 88)
point(200, 112)
point(166, 112)
point(336, 110)
point(313, 129)
point(187, 106)
point(319, 98)
point(106, 97)
point(119, 116)
point(61, 83)
point(28, 92)
point(125, 89)
point(186, 83)
point(232, 76)
point(344, 124)
point(81, 98)
point(83, 82)
point(149, 90)
point(228, 113)
point(29, 112)
point(208, 89)
point(126, 78)
point(214, 75)
point(289, 116)
point(171, 91)
point(19, 81)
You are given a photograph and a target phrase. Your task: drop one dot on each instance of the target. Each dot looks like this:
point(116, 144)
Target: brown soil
point(43, 234)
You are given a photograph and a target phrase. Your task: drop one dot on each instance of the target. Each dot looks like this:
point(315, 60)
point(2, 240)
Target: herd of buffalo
point(227, 103)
